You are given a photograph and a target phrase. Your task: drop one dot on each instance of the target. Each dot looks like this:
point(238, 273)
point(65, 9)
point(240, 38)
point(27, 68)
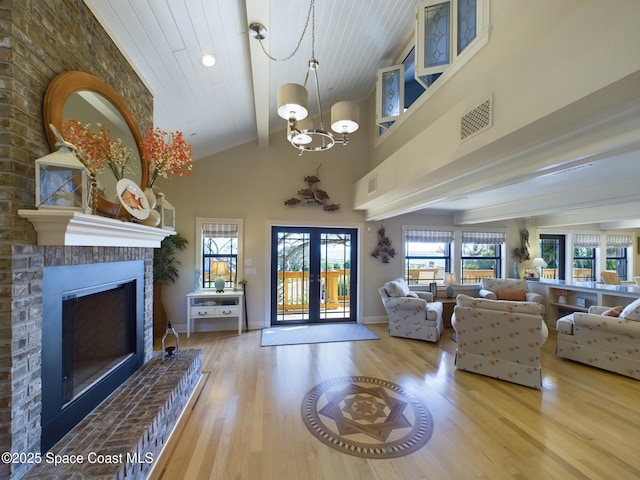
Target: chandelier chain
point(310, 14)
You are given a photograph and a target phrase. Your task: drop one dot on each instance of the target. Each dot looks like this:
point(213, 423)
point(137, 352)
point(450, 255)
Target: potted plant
point(165, 271)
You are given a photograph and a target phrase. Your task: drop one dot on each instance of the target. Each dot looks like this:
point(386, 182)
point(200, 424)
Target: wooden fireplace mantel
point(70, 228)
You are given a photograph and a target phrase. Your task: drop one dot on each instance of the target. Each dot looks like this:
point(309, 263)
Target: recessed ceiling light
point(208, 59)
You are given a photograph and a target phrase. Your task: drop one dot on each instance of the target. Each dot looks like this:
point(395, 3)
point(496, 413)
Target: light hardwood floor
point(245, 421)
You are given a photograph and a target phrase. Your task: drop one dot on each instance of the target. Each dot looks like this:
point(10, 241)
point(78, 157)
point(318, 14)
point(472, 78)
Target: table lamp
point(449, 280)
point(219, 269)
point(537, 264)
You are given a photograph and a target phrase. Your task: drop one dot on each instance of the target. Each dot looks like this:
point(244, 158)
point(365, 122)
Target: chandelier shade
point(293, 100)
point(344, 117)
point(297, 135)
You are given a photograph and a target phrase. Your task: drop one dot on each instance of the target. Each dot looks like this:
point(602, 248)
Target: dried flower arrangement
point(383, 249)
point(165, 153)
point(97, 149)
point(313, 195)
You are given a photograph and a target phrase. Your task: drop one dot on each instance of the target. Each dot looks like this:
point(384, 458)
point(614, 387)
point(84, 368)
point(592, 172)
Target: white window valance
point(586, 240)
point(220, 230)
point(484, 238)
point(619, 241)
point(429, 236)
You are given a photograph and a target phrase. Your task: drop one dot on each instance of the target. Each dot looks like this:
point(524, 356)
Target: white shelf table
point(210, 304)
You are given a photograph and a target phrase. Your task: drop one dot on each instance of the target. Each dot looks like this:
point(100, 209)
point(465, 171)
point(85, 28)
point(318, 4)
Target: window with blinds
point(427, 255)
point(617, 251)
point(481, 255)
point(584, 256)
point(219, 251)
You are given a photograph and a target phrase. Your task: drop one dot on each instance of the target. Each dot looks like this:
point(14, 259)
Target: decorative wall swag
point(383, 249)
point(313, 195)
point(522, 252)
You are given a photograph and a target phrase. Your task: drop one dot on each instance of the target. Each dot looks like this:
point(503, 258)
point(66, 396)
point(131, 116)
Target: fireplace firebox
point(92, 339)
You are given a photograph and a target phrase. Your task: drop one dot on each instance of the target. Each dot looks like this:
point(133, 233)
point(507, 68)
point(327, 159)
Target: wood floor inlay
point(245, 421)
point(367, 417)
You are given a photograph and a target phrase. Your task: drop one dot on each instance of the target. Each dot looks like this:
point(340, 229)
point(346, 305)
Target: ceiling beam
point(625, 215)
point(259, 11)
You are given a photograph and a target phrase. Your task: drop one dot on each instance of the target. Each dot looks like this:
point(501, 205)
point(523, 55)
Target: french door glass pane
point(293, 275)
point(335, 277)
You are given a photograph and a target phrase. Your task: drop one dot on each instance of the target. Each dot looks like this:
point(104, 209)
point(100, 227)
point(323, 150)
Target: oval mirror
point(88, 99)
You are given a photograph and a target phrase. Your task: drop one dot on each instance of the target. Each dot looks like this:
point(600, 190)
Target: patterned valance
point(586, 240)
point(484, 238)
point(220, 230)
point(619, 241)
point(429, 236)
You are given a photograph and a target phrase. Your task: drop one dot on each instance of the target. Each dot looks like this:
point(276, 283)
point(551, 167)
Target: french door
point(313, 275)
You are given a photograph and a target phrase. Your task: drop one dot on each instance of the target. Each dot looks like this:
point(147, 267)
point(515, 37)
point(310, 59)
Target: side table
point(210, 304)
point(447, 309)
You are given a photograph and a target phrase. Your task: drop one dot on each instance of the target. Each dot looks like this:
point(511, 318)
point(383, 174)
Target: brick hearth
point(130, 427)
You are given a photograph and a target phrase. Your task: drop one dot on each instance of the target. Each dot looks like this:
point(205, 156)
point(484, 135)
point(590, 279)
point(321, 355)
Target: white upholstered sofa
point(514, 289)
point(500, 339)
point(601, 339)
point(411, 314)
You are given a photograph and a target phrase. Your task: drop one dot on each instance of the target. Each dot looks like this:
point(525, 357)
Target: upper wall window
point(389, 95)
point(443, 31)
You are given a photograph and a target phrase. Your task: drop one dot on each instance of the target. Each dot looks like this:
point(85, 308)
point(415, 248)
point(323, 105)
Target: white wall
point(252, 183)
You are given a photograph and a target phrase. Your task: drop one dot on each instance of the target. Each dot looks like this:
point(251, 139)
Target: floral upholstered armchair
point(604, 337)
point(500, 339)
point(513, 289)
point(411, 314)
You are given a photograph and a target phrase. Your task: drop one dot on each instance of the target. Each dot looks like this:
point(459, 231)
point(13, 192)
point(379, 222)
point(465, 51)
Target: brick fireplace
point(27, 263)
point(39, 40)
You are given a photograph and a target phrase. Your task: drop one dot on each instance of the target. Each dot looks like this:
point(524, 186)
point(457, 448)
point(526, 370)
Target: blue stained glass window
point(437, 33)
point(467, 26)
point(391, 93)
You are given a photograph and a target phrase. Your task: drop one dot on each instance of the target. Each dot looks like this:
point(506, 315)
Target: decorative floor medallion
point(367, 417)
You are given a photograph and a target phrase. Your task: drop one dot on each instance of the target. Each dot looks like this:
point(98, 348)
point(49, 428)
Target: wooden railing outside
point(579, 274)
point(293, 289)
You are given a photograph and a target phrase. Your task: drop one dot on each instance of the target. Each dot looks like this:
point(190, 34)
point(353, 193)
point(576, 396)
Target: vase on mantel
point(151, 197)
point(154, 219)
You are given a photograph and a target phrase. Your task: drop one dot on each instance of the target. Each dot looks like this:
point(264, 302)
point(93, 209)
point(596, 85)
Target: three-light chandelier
point(293, 99)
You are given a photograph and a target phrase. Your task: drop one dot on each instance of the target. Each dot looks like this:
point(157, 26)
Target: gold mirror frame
point(59, 90)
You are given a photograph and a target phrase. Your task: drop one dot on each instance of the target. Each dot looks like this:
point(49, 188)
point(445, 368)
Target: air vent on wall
point(476, 120)
point(372, 186)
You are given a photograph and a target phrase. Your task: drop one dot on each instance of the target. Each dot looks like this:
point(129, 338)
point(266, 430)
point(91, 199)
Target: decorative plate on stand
point(133, 198)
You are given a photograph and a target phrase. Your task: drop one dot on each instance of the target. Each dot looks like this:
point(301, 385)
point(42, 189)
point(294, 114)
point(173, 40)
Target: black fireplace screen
point(92, 339)
point(98, 333)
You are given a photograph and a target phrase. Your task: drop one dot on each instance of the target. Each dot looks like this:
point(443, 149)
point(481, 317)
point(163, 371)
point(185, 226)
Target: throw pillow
point(513, 295)
point(613, 312)
point(397, 288)
point(412, 295)
point(632, 311)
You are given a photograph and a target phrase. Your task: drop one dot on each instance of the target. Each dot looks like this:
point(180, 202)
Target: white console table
point(209, 304)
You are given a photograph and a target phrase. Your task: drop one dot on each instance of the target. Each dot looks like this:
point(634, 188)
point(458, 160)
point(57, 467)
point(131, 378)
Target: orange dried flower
point(165, 153)
point(97, 149)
